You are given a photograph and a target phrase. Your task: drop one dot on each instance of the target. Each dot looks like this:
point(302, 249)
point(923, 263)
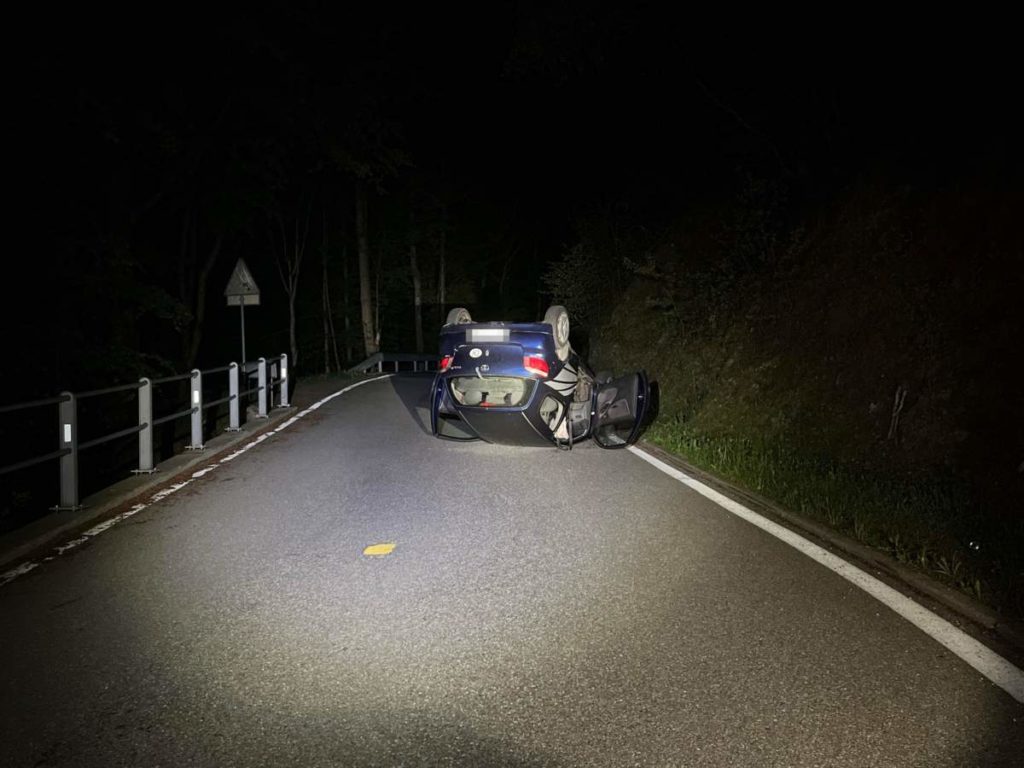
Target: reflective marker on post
point(284, 380)
point(146, 424)
point(68, 416)
point(274, 381)
point(197, 412)
point(263, 387)
point(233, 420)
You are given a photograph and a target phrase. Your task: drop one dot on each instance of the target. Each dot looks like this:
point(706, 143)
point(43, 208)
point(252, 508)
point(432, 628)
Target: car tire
point(558, 318)
point(458, 316)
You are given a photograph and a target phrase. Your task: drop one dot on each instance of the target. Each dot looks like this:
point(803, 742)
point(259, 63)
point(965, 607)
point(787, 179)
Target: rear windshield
point(491, 391)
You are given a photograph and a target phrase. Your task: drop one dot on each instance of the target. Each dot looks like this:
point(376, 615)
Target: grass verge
point(926, 521)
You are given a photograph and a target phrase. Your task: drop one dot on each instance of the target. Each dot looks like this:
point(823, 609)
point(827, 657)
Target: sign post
point(242, 290)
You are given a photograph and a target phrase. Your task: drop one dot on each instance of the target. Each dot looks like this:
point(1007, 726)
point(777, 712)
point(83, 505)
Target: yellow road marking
point(379, 550)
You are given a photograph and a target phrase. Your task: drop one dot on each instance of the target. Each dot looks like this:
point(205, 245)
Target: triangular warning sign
point(241, 282)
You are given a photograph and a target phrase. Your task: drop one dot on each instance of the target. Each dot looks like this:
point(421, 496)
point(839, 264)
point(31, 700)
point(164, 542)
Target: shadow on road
point(413, 389)
point(423, 738)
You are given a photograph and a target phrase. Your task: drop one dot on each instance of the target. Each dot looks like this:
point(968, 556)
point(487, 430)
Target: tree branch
point(739, 119)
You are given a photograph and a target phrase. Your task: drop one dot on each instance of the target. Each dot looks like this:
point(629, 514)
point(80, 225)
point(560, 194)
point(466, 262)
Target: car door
point(618, 411)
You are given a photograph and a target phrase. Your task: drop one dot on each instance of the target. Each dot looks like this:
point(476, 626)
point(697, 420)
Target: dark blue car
point(523, 384)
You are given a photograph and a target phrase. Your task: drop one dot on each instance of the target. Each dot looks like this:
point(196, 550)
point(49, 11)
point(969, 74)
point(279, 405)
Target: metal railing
point(376, 362)
point(264, 375)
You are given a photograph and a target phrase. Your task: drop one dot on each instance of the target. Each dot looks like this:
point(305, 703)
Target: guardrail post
point(233, 421)
point(68, 419)
point(284, 380)
point(197, 411)
point(273, 382)
point(263, 387)
point(146, 427)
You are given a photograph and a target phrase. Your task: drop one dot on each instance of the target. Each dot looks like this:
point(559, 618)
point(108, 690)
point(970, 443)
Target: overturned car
point(523, 384)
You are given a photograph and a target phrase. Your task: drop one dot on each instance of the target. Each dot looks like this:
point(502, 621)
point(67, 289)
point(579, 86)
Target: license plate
point(487, 334)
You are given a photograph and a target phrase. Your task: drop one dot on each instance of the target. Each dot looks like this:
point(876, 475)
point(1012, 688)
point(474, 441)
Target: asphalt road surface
point(539, 608)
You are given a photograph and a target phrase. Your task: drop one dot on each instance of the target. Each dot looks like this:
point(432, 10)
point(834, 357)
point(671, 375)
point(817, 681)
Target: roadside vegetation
point(854, 360)
point(930, 522)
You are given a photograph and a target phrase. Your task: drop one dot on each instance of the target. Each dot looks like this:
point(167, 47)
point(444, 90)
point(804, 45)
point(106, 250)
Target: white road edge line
point(986, 661)
point(8, 576)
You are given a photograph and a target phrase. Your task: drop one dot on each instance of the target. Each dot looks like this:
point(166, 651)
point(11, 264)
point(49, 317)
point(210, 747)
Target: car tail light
point(536, 365)
point(445, 362)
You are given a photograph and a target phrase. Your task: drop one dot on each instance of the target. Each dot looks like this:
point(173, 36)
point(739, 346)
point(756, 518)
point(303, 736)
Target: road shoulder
point(981, 622)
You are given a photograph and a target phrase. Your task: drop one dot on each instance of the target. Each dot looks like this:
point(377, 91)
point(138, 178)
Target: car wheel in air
point(558, 318)
point(458, 316)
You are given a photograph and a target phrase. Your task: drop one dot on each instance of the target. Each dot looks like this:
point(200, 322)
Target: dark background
point(520, 122)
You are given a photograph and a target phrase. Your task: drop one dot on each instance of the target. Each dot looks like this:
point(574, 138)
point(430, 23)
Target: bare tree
point(417, 297)
point(325, 303)
point(370, 148)
point(440, 260)
point(370, 333)
point(744, 124)
point(330, 337)
point(414, 274)
point(510, 254)
point(288, 255)
point(378, 271)
point(345, 305)
point(193, 277)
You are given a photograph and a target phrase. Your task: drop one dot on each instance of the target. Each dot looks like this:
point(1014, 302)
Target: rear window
point(492, 391)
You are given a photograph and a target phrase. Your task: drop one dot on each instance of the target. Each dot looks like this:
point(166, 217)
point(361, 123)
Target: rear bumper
point(505, 426)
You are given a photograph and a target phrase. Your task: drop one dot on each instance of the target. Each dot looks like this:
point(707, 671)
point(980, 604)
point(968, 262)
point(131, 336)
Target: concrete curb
point(992, 625)
point(49, 530)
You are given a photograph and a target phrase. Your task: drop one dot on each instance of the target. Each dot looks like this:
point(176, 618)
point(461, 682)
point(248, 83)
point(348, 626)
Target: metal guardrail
point(269, 374)
point(376, 362)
